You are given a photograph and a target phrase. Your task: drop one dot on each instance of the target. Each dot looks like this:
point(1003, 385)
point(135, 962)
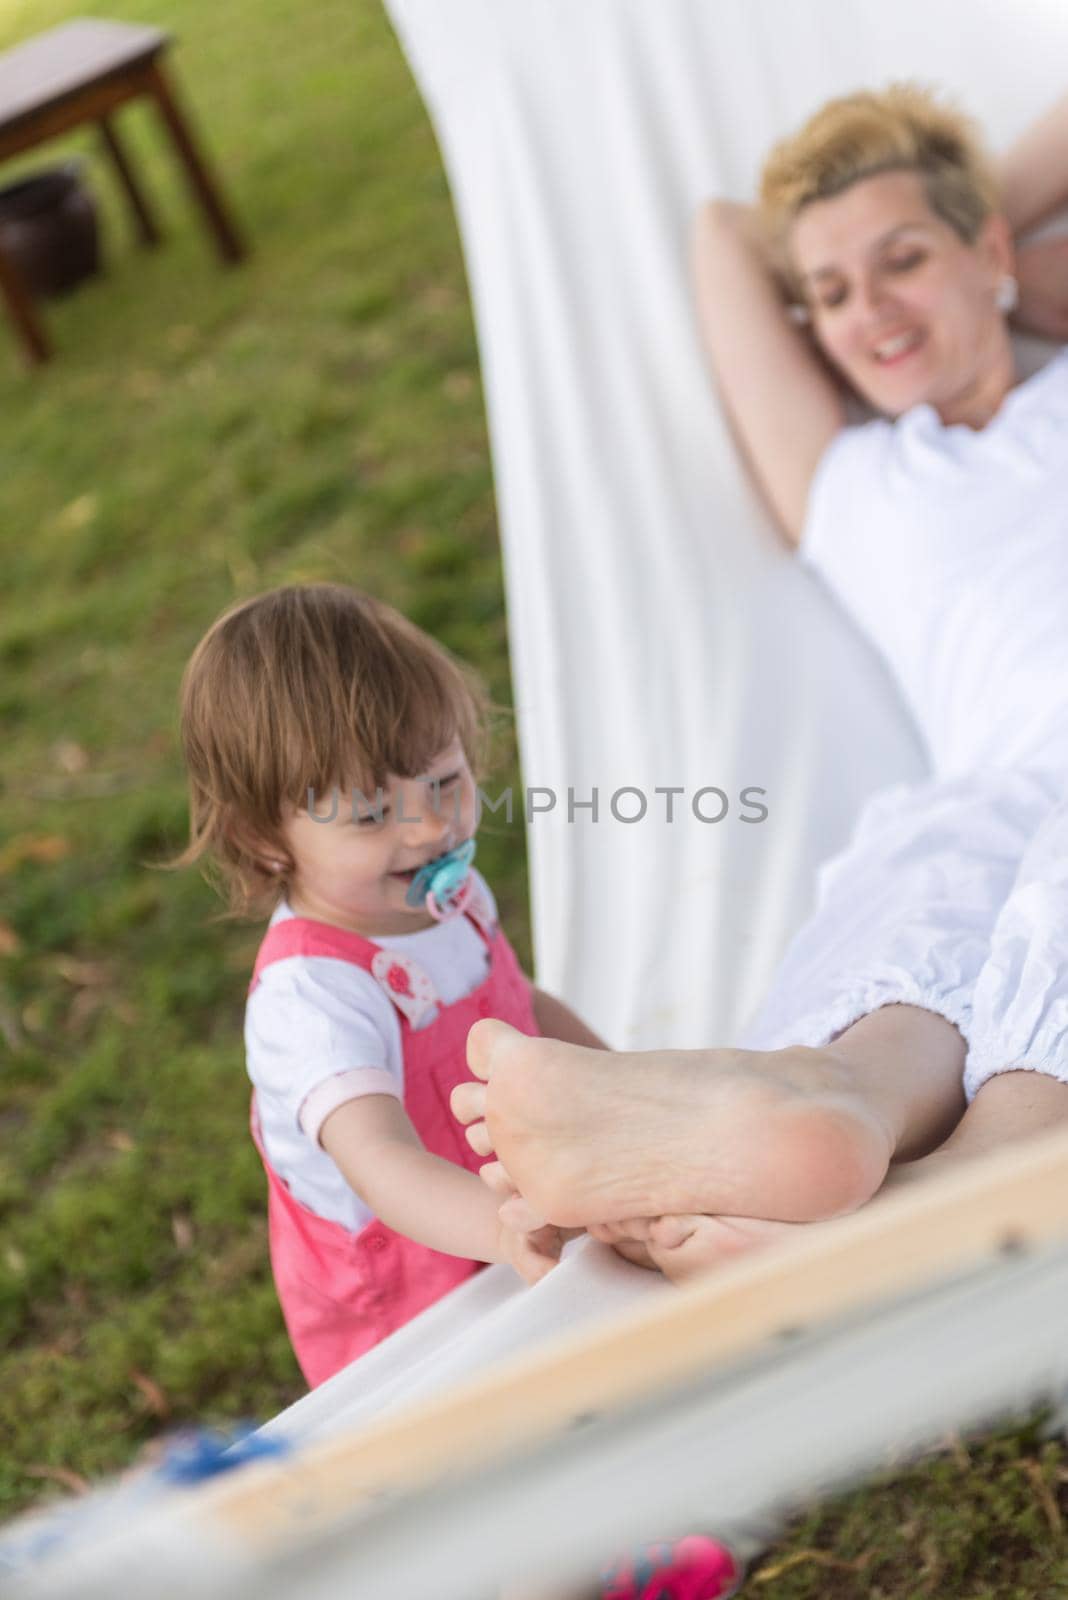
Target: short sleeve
point(842, 494)
point(318, 1032)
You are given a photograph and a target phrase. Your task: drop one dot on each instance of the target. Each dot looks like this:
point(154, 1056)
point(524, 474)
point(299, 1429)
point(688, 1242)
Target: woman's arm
point(1034, 171)
point(783, 403)
point(428, 1199)
point(1034, 185)
point(557, 1021)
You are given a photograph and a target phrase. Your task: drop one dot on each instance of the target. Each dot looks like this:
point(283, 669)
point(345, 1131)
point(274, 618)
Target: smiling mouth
point(890, 351)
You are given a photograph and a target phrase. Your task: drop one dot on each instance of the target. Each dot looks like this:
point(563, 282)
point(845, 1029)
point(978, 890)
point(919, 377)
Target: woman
point(934, 970)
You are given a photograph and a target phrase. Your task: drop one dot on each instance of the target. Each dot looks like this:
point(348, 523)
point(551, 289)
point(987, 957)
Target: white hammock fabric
point(661, 631)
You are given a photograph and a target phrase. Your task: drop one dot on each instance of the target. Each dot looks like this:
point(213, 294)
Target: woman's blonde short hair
point(309, 686)
point(903, 127)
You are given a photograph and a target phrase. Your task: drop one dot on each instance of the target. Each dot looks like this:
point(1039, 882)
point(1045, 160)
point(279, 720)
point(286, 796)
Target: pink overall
point(341, 1292)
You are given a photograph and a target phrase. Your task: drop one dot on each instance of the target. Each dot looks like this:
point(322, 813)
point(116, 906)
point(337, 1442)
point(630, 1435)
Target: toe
point(484, 1038)
point(468, 1102)
point(519, 1214)
point(668, 1233)
point(478, 1137)
point(496, 1178)
point(635, 1228)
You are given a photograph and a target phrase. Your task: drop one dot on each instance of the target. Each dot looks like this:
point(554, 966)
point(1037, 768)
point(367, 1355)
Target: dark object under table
point(83, 71)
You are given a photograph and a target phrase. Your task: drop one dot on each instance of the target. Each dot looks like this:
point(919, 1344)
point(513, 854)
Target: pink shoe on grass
point(694, 1568)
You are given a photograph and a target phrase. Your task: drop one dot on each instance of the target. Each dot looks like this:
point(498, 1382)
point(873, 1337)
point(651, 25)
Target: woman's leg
point(855, 1060)
point(1021, 995)
point(909, 1065)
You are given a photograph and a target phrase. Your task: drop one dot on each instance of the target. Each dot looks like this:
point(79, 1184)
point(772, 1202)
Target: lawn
point(204, 433)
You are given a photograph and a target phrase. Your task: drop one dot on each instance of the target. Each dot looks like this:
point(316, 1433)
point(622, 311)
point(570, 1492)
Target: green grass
point(203, 433)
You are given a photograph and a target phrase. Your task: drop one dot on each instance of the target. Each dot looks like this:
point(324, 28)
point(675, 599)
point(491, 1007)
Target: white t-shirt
point(949, 547)
point(320, 1031)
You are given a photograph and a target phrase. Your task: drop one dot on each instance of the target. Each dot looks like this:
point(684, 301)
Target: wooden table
point(84, 71)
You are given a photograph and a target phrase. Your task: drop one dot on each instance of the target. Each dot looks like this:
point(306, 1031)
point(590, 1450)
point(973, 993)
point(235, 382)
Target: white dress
point(948, 547)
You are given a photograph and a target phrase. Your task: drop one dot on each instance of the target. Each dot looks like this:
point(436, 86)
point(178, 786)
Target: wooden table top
point(53, 66)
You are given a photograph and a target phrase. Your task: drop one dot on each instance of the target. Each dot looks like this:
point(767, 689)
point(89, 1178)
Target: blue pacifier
point(443, 886)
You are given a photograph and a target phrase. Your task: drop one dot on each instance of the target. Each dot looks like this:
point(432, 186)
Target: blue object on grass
point(197, 1453)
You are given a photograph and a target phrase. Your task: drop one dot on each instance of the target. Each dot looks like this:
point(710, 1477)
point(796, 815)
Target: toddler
point(332, 751)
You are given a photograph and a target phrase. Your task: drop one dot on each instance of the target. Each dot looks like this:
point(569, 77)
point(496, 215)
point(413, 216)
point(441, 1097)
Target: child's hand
point(532, 1251)
point(529, 1243)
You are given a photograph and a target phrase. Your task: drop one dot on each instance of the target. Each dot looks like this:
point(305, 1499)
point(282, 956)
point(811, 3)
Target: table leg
point(146, 222)
point(229, 243)
point(23, 311)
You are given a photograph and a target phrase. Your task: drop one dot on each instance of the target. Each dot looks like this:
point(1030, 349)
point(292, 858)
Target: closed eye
point(365, 814)
point(906, 263)
point(898, 264)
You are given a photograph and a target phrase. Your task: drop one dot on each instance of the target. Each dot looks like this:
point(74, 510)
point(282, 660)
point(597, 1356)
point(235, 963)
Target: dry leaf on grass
point(70, 1480)
point(45, 848)
point(83, 1008)
point(155, 1399)
point(78, 513)
point(82, 974)
point(183, 1231)
point(70, 756)
point(10, 1031)
point(1044, 1496)
point(820, 1558)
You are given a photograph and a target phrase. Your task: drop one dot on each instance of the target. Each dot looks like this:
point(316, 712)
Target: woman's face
point(900, 304)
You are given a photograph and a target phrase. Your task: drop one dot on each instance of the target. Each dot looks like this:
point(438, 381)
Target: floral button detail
point(406, 984)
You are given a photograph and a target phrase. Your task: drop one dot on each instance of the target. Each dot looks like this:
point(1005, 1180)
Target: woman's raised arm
point(1034, 170)
point(1034, 186)
point(784, 405)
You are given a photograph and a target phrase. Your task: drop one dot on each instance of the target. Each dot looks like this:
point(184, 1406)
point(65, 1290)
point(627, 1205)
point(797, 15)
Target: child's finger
point(519, 1214)
point(531, 1265)
point(468, 1102)
point(478, 1137)
point(536, 1253)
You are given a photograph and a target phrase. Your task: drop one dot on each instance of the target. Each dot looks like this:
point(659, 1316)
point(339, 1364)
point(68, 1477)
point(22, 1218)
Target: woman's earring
point(1007, 294)
point(799, 315)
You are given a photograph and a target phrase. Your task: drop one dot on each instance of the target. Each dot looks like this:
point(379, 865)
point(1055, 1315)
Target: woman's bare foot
point(591, 1136)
